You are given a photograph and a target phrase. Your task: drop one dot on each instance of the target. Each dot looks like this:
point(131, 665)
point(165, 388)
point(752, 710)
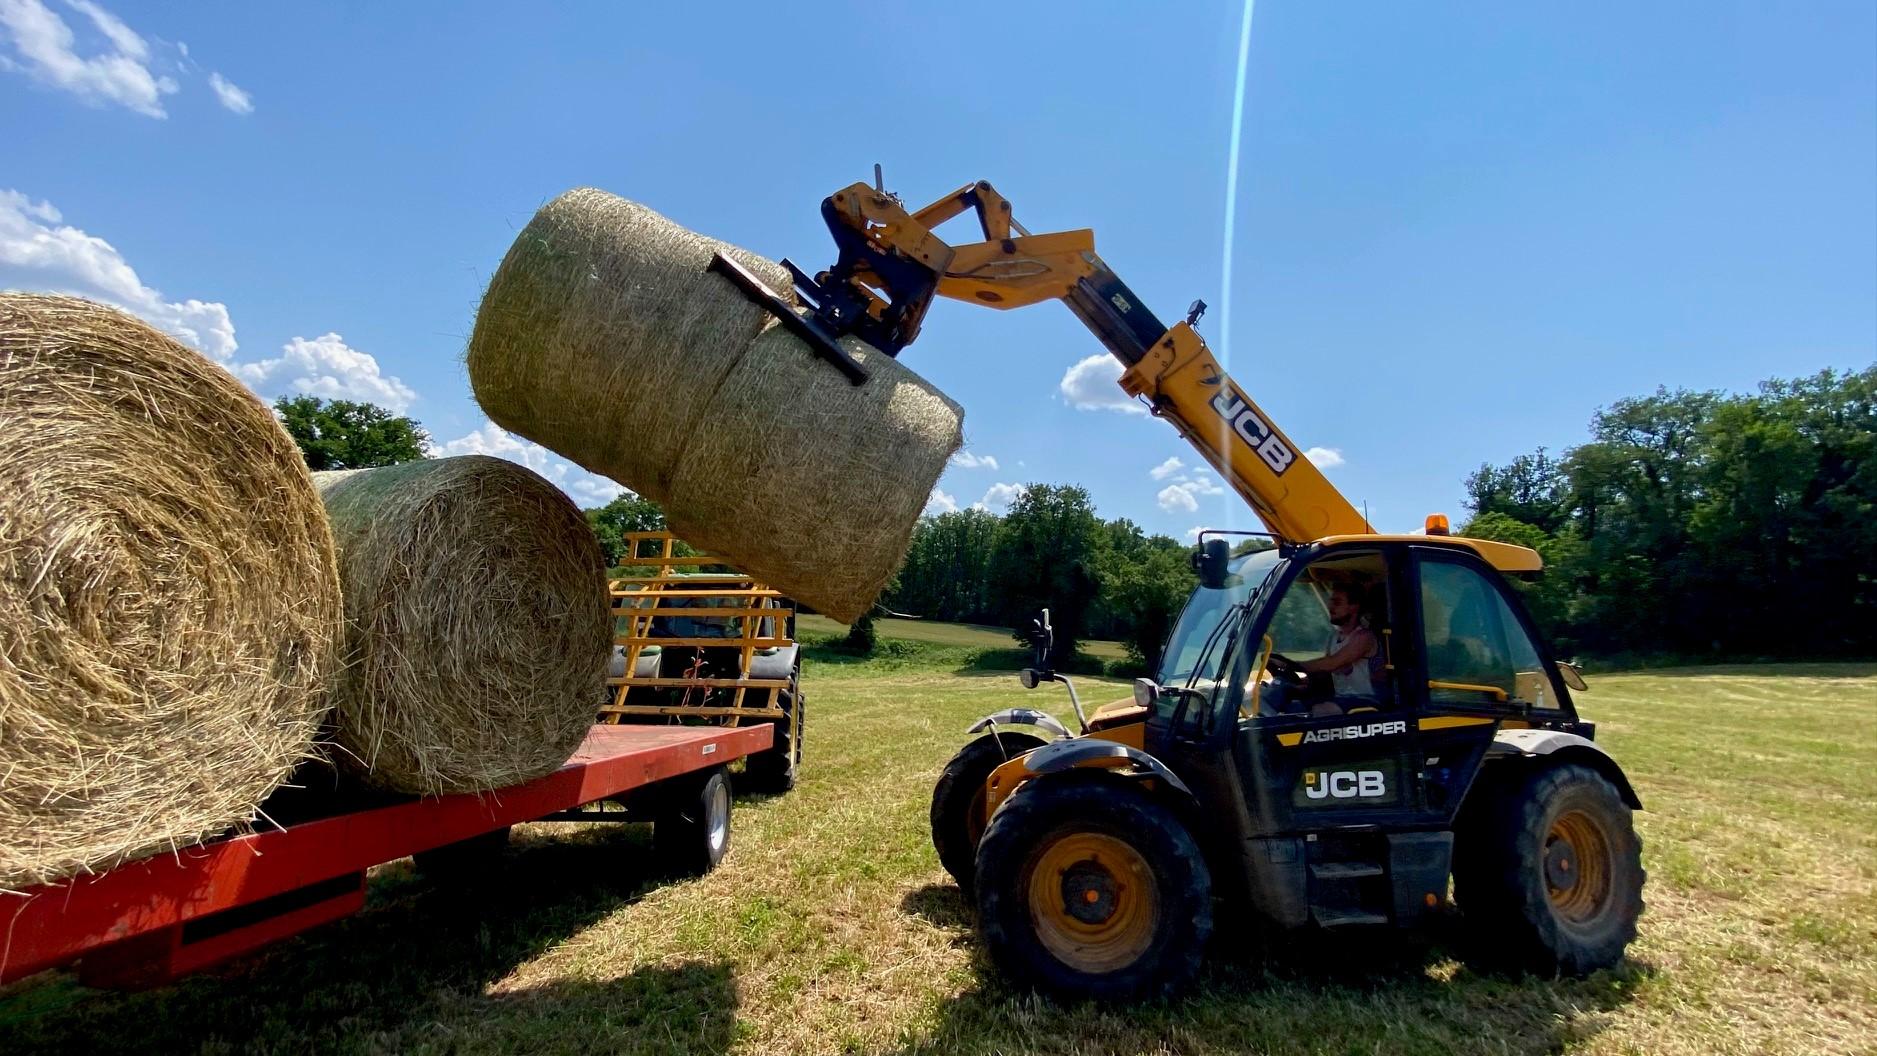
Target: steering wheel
point(1284, 669)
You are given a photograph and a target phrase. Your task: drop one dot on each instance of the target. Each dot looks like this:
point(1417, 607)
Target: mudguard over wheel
point(958, 799)
point(1548, 871)
point(1088, 888)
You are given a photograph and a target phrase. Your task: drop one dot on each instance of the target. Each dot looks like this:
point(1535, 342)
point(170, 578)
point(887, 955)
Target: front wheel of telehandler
point(1548, 873)
point(958, 814)
point(1088, 888)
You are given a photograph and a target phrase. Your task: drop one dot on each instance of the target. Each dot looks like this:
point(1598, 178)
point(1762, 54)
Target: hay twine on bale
point(477, 624)
point(169, 602)
point(604, 337)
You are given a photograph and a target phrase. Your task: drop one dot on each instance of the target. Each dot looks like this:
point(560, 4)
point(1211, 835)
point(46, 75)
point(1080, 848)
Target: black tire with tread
point(681, 827)
point(775, 769)
point(957, 794)
point(1499, 873)
point(1052, 806)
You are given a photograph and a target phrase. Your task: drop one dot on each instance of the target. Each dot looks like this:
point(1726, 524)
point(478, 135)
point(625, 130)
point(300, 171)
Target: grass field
point(831, 928)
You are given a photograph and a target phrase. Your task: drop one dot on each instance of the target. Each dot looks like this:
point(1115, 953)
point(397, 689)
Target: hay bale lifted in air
point(477, 631)
point(169, 604)
point(604, 337)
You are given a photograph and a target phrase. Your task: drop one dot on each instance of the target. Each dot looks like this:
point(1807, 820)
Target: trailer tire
point(1548, 871)
point(691, 831)
point(470, 858)
point(958, 800)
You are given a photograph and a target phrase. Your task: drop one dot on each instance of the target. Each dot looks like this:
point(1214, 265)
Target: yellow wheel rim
point(1577, 867)
point(1093, 901)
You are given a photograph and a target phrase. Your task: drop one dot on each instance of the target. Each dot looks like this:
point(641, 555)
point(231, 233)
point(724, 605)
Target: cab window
point(1477, 650)
point(1303, 630)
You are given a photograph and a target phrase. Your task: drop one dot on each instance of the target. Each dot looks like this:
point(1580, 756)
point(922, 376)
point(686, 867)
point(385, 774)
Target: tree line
point(1704, 524)
point(1700, 524)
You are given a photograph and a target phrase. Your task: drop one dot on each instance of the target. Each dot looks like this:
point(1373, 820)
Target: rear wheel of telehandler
point(1549, 871)
point(958, 814)
point(691, 831)
point(1088, 888)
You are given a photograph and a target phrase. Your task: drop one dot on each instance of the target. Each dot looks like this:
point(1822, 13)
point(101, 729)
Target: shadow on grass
point(411, 971)
point(1389, 992)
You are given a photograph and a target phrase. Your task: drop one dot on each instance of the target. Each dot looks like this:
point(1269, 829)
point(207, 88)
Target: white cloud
point(1090, 385)
point(940, 501)
point(1166, 469)
point(967, 460)
point(39, 252)
point(231, 97)
point(586, 489)
point(1193, 532)
point(328, 368)
point(1325, 457)
point(1183, 495)
point(44, 48)
point(1175, 499)
point(999, 497)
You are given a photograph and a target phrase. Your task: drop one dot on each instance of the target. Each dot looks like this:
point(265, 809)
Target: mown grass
point(831, 928)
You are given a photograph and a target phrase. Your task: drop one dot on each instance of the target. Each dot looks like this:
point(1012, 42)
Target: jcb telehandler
point(1439, 741)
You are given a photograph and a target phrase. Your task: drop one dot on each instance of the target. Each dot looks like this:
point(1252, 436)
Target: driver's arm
point(1359, 646)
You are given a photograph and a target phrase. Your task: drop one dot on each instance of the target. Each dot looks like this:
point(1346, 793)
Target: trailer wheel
point(691, 832)
point(1549, 873)
point(465, 858)
point(1088, 888)
point(773, 771)
point(958, 800)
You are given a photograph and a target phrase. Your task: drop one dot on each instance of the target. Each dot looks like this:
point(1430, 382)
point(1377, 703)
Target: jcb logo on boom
point(1254, 430)
point(1345, 784)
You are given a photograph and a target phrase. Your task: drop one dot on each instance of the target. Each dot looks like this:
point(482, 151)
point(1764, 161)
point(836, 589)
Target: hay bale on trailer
point(604, 337)
point(477, 624)
point(169, 603)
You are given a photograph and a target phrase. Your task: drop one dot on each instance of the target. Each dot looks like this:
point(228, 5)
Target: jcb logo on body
point(1345, 784)
point(1252, 429)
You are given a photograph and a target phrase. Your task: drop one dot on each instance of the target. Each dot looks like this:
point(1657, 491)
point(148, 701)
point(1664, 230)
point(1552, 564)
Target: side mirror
point(1027, 676)
point(1042, 639)
point(1573, 677)
point(1146, 692)
point(1212, 560)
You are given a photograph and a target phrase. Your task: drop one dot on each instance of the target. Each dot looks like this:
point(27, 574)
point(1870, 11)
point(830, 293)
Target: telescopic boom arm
point(891, 264)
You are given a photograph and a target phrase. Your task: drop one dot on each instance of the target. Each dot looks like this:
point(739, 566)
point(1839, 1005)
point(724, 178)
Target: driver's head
point(1345, 606)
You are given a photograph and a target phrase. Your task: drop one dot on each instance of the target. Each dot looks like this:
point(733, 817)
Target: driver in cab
point(1352, 658)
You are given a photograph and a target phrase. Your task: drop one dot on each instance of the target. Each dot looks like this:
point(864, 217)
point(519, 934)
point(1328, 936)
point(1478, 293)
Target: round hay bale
point(169, 603)
point(602, 336)
point(813, 485)
point(477, 629)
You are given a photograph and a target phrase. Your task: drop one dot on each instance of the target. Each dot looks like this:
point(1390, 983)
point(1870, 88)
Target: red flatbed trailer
point(148, 922)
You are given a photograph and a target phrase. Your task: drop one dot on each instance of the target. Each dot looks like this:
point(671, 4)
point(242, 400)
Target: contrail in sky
point(1231, 187)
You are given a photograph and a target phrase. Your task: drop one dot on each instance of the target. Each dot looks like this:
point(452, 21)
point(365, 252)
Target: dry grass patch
point(831, 928)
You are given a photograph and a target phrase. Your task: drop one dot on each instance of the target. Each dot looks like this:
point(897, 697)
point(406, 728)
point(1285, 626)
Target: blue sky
point(1460, 227)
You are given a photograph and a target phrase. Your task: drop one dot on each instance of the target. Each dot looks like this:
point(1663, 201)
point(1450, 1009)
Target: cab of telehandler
point(1250, 770)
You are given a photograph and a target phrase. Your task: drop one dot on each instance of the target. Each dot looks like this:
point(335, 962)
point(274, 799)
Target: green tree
point(627, 513)
point(341, 434)
point(1046, 558)
point(1149, 591)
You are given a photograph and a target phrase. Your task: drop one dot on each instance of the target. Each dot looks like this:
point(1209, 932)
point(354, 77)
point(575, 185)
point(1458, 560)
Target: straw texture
point(817, 494)
point(477, 630)
point(603, 338)
point(169, 602)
